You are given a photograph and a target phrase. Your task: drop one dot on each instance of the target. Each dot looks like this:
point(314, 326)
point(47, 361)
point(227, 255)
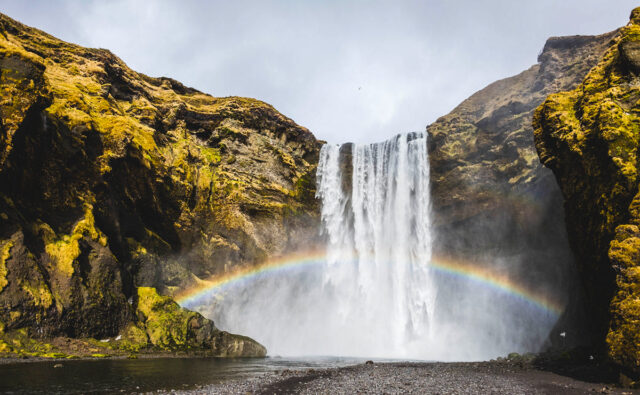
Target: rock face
point(111, 180)
point(493, 201)
point(170, 327)
point(590, 137)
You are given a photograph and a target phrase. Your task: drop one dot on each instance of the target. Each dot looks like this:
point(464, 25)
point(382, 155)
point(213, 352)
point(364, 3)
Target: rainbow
point(205, 289)
point(498, 281)
point(212, 286)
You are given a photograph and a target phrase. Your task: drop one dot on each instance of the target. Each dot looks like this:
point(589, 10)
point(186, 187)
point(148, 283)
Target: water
point(379, 245)
point(114, 376)
point(377, 293)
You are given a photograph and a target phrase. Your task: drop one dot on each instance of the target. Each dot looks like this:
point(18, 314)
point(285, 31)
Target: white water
point(381, 228)
point(376, 294)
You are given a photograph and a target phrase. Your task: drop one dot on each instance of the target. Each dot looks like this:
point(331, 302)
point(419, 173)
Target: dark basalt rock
point(111, 180)
point(588, 137)
point(346, 167)
point(493, 200)
point(630, 54)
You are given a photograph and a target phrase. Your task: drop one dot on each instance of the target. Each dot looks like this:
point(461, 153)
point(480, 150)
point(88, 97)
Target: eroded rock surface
point(494, 203)
point(590, 137)
point(111, 180)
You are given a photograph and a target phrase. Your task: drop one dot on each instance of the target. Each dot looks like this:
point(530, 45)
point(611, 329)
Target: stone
point(630, 54)
point(493, 201)
point(111, 180)
point(589, 137)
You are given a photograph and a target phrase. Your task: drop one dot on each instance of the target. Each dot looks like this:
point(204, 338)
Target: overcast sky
point(348, 70)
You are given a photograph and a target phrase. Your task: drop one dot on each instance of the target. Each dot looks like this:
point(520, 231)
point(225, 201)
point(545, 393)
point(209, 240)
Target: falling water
point(377, 293)
point(379, 224)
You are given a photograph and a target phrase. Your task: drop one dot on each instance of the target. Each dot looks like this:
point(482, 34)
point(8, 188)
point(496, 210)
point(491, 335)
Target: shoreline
point(413, 377)
point(152, 355)
point(522, 375)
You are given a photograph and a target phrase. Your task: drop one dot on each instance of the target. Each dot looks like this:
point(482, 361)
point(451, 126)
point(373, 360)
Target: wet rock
point(163, 324)
point(486, 176)
point(111, 180)
point(588, 137)
point(401, 378)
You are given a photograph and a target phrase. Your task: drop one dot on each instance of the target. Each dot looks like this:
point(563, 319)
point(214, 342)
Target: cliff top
point(94, 88)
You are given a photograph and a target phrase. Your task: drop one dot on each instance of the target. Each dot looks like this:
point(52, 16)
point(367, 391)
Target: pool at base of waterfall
point(309, 375)
point(144, 375)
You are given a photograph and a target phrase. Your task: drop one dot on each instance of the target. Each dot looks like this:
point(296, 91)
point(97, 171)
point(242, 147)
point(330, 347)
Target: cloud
point(348, 70)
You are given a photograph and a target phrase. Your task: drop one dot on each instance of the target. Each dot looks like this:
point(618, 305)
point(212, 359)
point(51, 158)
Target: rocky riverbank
point(505, 377)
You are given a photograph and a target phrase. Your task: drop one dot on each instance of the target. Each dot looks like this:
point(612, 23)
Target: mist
point(377, 290)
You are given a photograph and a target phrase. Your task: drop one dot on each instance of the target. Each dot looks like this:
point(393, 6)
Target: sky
point(349, 70)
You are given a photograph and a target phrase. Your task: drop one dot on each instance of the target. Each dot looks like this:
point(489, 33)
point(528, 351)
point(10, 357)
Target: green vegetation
point(64, 251)
point(5, 254)
point(112, 173)
point(590, 138)
point(166, 323)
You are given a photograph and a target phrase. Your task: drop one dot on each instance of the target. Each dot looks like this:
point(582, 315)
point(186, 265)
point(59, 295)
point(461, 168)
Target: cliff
point(493, 202)
point(112, 182)
point(589, 138)
point(484, 148)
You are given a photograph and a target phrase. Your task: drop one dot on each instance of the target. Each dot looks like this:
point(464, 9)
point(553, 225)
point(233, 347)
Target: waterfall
point(375, 214)
point(375, 290)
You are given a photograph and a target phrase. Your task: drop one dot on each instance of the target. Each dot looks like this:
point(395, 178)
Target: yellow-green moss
point(14, 315)
point(65, 251)
point(166, 323)
point(284, 157)
point(623, 338)
point(39, 292)
point(593, 132)
point(167, 327)
point(55, 355)
point(134, 338)
point(94, 100)
point(5, 254)
point(19, 343)
point(593, 111)
point(211, 155)
point(78, 100)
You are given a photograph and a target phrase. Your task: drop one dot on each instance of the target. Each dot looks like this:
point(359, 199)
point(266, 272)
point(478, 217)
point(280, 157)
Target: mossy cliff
point(493, 202)
point(170, 327)
point(111, 180)
point(160, 326)
point(589, 137)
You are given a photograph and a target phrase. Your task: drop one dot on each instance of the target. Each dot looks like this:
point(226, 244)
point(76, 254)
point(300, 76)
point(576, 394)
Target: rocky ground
point(415, 378)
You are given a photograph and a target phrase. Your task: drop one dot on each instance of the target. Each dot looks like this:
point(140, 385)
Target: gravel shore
point(413, 378)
